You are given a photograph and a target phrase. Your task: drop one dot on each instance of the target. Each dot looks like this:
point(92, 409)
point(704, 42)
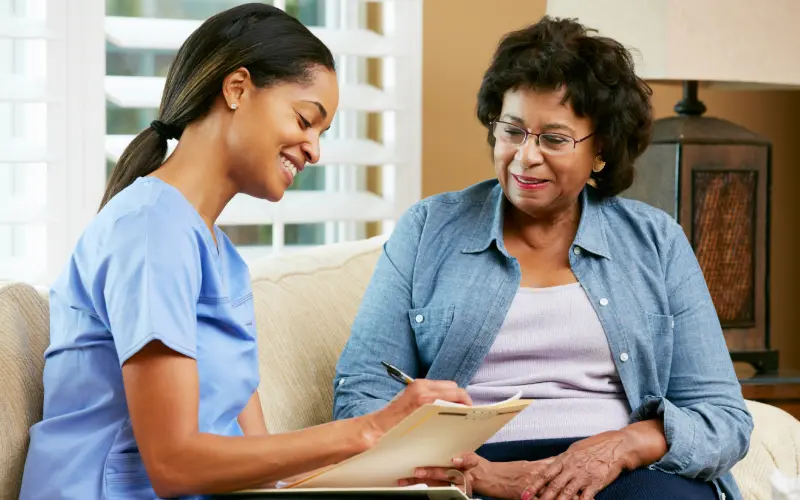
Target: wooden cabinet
point(781, 389)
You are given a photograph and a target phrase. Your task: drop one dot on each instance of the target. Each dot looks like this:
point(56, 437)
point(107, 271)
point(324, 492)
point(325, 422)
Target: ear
point(234, 86)
point(598, 145)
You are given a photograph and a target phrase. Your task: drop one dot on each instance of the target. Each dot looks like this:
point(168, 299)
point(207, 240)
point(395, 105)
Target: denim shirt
point(444, 283)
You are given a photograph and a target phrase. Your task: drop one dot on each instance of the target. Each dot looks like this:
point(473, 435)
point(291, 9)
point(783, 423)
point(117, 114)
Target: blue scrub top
point(146, 268)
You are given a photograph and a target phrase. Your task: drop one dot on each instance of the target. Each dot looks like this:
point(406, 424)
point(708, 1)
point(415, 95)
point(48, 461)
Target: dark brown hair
point(598, 76)
point(271, 44)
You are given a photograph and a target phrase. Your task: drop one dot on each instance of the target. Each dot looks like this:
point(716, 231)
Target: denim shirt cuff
point(679, 429)
point(361, 408)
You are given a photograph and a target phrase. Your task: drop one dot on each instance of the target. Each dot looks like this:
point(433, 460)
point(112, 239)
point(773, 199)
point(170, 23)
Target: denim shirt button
point(604, 302)
point(419, 318)
point(623, 357)
point(576, 250)
point(341, 381)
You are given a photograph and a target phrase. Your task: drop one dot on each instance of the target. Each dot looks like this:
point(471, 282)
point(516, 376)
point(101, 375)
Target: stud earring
point(234, 106)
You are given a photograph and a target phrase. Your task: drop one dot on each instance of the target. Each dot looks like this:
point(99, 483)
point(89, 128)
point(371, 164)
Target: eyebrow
point(320, 107)
point(513, 118)
point(546, 126)
point(557, 126)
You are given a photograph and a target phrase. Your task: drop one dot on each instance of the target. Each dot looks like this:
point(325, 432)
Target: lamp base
point(713, 176)
point(690, 105)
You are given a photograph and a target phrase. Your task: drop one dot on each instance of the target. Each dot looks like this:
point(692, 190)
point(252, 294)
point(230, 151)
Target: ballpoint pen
point(396, 374)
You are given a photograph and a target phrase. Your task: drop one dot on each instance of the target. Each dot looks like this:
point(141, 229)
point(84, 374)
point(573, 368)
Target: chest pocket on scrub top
point(126, 477)
point(243, 312)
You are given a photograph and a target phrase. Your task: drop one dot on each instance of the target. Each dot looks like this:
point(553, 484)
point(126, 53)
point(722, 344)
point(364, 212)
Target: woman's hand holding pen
point(418, 393)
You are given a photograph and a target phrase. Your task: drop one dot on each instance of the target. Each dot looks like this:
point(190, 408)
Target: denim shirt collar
point(591, 228)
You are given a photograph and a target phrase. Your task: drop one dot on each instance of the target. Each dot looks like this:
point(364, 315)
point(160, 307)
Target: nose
point(530, 153)
point(311, 150)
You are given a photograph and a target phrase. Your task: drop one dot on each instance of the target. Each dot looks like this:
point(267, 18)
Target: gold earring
point(599, 165)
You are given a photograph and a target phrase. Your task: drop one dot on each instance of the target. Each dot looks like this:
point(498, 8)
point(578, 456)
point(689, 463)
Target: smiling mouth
point(289, 166)
point(529, 181)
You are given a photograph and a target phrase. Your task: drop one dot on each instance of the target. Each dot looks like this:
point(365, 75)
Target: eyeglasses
point(548, 142)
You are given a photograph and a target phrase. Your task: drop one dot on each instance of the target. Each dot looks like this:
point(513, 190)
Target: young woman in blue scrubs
point(151, 375)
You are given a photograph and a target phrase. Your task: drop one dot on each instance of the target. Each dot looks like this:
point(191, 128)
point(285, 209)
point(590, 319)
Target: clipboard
point(429, 437)
point(396, 493)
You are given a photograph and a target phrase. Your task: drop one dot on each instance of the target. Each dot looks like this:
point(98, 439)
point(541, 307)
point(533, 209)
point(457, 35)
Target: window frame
point(76, 99)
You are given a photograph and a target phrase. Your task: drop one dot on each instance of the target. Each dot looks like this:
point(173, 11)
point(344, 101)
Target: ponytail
point(142, 157)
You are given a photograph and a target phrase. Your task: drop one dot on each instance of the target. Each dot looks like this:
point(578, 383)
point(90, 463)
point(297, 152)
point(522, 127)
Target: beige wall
point(459, 37)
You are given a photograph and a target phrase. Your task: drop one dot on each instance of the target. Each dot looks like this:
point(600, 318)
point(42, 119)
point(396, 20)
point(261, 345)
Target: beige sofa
point(305, 303)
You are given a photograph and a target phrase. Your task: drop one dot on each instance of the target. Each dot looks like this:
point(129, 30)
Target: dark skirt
point(641, 484)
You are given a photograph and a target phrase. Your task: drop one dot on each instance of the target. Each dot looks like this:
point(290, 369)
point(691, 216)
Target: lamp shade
point(742, 43)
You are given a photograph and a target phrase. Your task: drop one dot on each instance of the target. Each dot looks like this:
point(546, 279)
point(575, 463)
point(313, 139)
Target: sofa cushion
point(24, 334)
point(305, 303)
point(774, 446)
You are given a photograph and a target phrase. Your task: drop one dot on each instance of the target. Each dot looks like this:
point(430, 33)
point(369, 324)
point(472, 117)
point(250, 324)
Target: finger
point(590, 491)
point(528, 494)
point(468, 461)
point(542, 478)
point(557, 485)
point(572, 489)
point(433, 385)
point(454, 395)
point(431, 473)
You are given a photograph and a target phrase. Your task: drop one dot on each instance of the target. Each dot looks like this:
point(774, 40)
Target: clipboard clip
point(459, 480)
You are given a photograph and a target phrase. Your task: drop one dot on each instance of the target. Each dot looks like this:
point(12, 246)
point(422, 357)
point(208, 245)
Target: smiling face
point(539, 183)
point(275, 131)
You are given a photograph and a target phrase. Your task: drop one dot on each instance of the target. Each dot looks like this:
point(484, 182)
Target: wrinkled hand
point(442, 476)
point(583, 470)
point(492, 479)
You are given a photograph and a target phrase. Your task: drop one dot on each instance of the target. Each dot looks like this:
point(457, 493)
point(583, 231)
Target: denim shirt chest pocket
point(661, 328)
point(430, 326)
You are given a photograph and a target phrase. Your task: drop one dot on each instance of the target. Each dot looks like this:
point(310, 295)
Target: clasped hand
point(581, 472)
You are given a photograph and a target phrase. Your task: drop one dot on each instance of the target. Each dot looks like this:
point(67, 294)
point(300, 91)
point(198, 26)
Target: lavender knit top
point(553, 348)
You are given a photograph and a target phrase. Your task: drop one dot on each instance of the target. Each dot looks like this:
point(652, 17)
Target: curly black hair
point(598, 76)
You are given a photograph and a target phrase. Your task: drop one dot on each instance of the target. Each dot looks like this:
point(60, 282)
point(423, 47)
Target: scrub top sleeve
point(151, 284)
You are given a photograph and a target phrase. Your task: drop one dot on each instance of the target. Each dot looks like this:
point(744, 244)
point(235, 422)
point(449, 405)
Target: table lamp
point(712, 175)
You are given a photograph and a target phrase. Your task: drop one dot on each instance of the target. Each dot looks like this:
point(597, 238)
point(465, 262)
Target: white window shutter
point(56, 146)
point(51, 120)
point(343, 205)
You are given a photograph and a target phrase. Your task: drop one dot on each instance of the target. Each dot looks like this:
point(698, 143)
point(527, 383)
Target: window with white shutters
point(368, 170)
point(50, 70)
point(79, 78)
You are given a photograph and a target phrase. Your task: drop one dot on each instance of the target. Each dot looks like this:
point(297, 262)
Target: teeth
point(288, 165)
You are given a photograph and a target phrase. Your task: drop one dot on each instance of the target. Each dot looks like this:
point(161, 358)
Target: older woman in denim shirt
point(544, 281)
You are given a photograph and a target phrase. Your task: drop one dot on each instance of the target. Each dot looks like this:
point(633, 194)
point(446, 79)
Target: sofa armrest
point(774, 446)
